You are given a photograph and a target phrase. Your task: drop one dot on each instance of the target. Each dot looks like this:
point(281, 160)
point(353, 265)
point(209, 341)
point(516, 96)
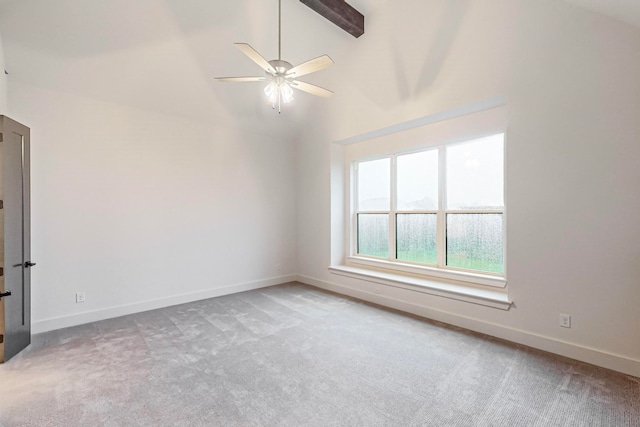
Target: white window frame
point(440, 270)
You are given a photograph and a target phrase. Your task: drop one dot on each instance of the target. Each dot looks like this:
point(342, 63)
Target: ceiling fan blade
point(241, 79)
point(311, 66)
point(256, 57)
point(312, 89)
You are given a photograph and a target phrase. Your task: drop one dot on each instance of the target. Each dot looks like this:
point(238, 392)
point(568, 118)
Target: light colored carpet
point(292, 355)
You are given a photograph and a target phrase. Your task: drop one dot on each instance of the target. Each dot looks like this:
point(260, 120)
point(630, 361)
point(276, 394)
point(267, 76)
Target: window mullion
point(392, 214)
point(442, 206)
point(353, 249)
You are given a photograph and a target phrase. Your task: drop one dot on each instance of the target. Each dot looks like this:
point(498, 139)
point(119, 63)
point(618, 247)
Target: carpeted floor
point(292, 355)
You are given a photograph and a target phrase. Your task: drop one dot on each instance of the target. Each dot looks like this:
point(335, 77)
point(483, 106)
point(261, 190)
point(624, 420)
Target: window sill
point(475, 294)
point(429, 272)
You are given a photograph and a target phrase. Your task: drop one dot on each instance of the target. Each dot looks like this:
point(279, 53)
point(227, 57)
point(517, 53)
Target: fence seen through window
point(442, 207)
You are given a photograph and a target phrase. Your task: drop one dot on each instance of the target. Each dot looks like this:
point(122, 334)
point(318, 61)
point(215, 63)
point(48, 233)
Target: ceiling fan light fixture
point(271, 90)
point(279, 92)
point(286, 93)
point(282, 76)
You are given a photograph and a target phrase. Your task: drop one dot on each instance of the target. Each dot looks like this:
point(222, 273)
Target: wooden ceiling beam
point(340, 13)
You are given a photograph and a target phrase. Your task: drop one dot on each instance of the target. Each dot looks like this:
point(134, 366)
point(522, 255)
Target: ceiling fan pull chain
point(279, 102)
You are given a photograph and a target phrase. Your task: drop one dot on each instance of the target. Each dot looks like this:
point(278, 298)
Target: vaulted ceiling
point(624, 10)
point(162, 55)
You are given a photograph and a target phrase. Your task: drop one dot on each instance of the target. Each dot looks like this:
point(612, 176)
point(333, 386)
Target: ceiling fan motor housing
point(280, 66)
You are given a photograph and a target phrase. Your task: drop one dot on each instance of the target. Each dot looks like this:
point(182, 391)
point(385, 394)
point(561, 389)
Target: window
point(442, 207)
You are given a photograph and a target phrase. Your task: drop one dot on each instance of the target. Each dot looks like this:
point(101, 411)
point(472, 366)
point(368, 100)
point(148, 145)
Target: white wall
point(152, 184)
point(131, 206)
point(570, 77)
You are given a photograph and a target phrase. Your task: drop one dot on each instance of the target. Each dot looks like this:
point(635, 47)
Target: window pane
point(374, 183)
point(475, 174)
point(373, 235)
point(474, 241)
point(416, 237)
point(418, 181)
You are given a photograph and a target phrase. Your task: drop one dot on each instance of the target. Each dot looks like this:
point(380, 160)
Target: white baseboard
point(563, 348)
point(51, 324)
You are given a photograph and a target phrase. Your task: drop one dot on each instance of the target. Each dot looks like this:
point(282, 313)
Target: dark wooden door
point(15, 324)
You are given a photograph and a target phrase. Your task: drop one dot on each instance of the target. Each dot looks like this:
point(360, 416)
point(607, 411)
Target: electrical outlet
point(565, 320)
point(80, 297)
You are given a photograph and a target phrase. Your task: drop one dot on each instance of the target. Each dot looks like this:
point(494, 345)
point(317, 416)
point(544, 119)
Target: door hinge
point(1, 204)
point(1, 137)
point(1, 271)
point(1, 339)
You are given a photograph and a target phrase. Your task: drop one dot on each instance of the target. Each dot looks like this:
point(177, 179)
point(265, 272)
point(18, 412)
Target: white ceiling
point(625, 10)
point(162, 55)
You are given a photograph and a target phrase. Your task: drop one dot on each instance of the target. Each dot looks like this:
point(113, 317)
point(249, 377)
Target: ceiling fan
point(281, 74)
